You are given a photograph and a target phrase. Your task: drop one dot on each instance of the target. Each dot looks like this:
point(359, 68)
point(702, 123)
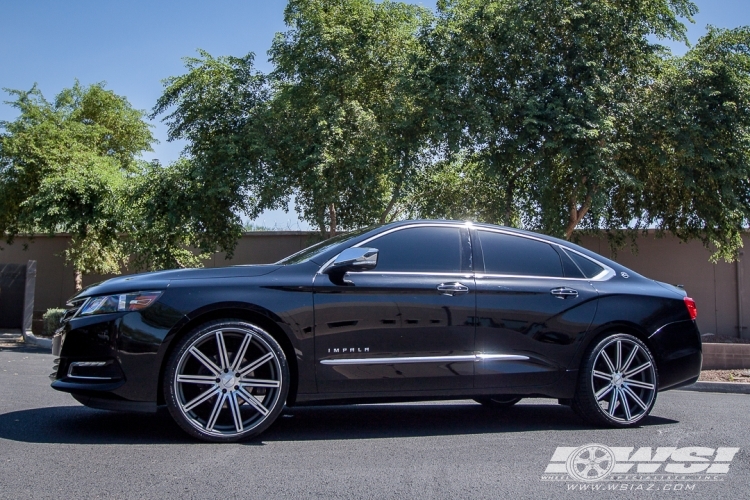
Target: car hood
point(161, 279)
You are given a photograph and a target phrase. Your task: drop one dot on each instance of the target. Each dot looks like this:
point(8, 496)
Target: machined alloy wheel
point(618, 382)
point(497, 402)
point(226, 381)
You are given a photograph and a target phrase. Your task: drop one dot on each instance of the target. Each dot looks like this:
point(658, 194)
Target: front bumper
point(115, 358)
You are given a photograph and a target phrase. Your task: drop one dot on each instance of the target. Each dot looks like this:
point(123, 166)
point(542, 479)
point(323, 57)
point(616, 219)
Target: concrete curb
point(722, 387)
point(39, 341)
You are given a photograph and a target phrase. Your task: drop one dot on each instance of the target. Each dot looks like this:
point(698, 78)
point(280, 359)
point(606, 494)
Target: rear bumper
point(679, 354)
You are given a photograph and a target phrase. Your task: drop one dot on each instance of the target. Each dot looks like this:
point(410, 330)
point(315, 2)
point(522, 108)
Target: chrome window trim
point(393, 230)
point(523, 276)
point(424, 359)
point(412, 273)
point(607, 272)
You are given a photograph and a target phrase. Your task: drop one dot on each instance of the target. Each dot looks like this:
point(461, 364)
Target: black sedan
point(413, 310)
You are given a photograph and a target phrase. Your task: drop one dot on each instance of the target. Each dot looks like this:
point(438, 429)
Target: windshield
point(310, 252)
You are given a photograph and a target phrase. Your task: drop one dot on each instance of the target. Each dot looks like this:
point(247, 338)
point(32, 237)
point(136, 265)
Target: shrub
point(52, 321)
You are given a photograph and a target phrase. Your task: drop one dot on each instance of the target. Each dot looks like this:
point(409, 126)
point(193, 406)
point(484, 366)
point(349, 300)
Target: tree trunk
point(79, 281)
point(510, 189)
point(577, 214)
point(332, 215)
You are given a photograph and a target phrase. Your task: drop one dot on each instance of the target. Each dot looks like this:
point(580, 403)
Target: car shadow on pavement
point(81, 425)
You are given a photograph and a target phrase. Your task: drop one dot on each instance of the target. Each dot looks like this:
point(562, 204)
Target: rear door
point(408, 324)
point(533, 304)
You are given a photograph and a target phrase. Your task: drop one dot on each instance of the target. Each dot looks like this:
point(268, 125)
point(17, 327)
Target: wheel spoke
point(635, 371)
point(241, 352)
point(197, 379)
point(613, 402)
point(603, 392)
point(253, 401)
point(602, 375)
point(260, 361)
point(257, 382)
point(606, 359)
point(631, 357)
point(635, 397)
point(236, 415)
point(639, 384)
point(625, 405)
point(618, 351)
point(205, 360)
point(215, 412)
point(201, 398)
point(222, 348)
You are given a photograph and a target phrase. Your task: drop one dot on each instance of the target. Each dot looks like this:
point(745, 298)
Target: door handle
point(564, 293)
point(452, 288)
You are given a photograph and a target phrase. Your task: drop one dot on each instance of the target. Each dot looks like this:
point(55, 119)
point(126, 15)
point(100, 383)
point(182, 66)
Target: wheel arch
point(244, 312)
point(610, 329)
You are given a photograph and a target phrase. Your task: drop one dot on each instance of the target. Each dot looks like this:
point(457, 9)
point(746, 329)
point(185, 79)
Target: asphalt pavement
point(52, 447)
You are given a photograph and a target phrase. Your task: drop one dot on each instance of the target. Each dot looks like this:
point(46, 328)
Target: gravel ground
point(739, 376)
point(710, 338)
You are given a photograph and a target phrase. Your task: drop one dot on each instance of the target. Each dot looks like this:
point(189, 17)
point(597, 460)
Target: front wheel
point(617, 383)
point(225, 381)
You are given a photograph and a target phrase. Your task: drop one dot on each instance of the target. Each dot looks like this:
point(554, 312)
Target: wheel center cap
point(617, 379)
point(228, 380)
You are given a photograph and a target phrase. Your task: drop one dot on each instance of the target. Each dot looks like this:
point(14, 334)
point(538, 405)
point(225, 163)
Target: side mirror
point(353, 259)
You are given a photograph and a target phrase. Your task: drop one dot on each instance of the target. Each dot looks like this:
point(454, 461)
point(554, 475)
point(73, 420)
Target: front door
point(407, 325)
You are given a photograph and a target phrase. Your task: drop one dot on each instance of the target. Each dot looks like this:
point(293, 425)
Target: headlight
point(134, 301)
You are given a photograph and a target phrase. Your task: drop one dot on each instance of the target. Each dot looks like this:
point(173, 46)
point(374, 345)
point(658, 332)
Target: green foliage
point(541, 89)
point(461, 188)
point(165, 218)
point(689, 165)
point(63, 165)
point(349, 128)
point(220, 107)
point(52, 318)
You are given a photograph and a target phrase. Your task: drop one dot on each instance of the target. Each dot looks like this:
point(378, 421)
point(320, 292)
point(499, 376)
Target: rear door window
point(518, 256)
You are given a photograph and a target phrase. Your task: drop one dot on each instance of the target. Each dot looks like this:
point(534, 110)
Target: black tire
point(614, 390)
point(499, 401)
point(213, 395)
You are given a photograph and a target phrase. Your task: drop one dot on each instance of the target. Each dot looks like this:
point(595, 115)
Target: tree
point(689, 160)
point(541, 90)
point(63, 166)
point(164, 218)
point(349, 126)
point(220, 107)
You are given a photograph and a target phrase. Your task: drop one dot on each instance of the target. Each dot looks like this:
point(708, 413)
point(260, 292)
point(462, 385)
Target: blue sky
point(133, 45)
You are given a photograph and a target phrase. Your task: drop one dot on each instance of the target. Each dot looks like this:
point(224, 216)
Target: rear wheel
point(226, 380)
point(617, 383)
point(502, 401)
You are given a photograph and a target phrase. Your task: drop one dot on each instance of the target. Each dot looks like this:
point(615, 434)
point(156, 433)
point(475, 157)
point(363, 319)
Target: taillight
point(691, 307)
